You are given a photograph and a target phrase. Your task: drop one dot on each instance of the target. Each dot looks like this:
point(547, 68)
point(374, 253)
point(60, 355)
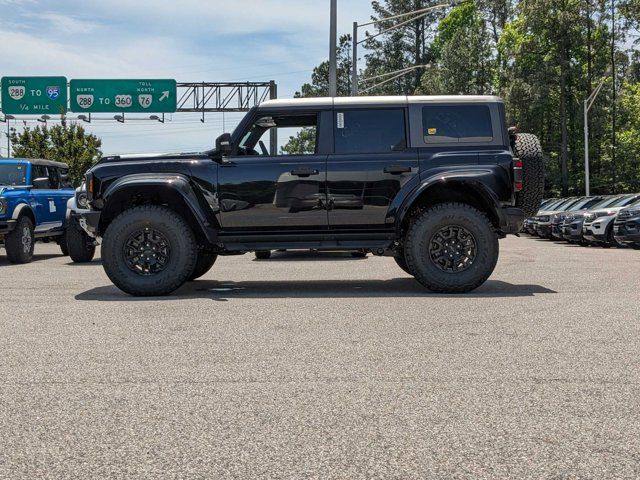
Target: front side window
point(456, 124)
point(297, 135)
point(12, 175)
point(370, 131)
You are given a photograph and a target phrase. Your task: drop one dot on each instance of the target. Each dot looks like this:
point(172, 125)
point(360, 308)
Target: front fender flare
point(129, 185)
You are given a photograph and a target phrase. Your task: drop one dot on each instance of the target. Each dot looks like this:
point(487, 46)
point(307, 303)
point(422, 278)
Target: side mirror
point(223, 144)
point(41, 183)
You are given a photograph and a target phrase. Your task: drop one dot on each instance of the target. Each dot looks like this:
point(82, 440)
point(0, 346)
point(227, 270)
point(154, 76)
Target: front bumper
point(572, 231)
point(89, 222)
point(543, 229)
point(628, 232)
point(7, 226)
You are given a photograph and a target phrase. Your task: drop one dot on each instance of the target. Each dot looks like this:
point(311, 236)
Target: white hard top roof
point(336, 101)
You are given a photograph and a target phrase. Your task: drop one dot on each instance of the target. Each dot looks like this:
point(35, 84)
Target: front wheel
point(20, 241)
point(451, 248)
point(149, 251)
point(80, 246)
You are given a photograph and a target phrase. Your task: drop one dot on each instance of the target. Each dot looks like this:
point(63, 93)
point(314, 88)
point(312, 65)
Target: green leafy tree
point(67, 142)
point(463, 61)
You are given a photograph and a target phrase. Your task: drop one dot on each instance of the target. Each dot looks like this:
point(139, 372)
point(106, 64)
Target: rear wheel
point(263, 254)
point(148, 251)
point(451, 248)
point(203, 264)
point(528, 149)
point(81, 247)
point(19, 242)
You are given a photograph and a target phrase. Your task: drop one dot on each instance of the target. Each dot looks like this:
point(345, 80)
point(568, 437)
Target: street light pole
point(333, 63)
point(354, 62)
point(588, 103)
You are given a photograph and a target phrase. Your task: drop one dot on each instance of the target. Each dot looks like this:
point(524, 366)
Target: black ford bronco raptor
point(433, 181)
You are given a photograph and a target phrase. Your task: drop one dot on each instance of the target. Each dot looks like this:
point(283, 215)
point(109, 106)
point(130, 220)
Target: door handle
point(304, 172)
point(396, 169)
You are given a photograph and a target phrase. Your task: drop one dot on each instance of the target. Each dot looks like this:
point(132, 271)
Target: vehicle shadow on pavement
point(36, 258)
point(397, 287)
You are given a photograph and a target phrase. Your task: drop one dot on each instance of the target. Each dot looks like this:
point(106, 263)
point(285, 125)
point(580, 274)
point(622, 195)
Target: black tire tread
point(413, 238)
point(13, 242)
point(155, 212)
point(204, 263)
point(528, 149)
point(80, 247)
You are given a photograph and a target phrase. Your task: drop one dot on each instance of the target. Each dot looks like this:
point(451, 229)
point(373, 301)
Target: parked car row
point(605, 220)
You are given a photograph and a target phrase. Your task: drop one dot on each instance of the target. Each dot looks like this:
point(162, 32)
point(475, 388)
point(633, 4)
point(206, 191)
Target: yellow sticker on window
point(432, 131)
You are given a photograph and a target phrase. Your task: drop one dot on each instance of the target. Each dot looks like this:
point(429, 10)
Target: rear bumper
point(511, 220)
point(7, 226)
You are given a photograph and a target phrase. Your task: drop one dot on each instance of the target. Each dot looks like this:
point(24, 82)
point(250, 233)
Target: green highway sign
point(123, 96)
point(34, 95)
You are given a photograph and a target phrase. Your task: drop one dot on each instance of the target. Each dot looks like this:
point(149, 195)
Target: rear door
point(45, 197)
point(371, 162)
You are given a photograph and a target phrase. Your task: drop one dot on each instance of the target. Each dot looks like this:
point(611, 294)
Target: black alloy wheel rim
point(453, 249)
point(147, 252)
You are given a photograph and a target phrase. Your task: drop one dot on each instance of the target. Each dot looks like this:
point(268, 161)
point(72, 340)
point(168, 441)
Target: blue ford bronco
point(33, 205)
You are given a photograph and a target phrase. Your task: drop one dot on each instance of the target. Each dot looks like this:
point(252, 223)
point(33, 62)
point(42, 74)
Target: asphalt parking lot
point(324, 366)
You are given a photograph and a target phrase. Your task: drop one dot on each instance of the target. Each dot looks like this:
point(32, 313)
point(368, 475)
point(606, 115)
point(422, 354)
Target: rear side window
point(40, 171)
point(370, 131)
point(456, 124)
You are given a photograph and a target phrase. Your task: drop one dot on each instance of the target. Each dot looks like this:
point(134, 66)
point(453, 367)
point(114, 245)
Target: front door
point(266, 187)
point(370, 164)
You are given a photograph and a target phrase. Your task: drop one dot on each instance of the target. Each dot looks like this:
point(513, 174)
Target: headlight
point(81, 200)
point(543, 218)
point(634, 213)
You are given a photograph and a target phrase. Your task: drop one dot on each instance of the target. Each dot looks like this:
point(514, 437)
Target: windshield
point(607, 202)
point(625, 201)
point(13, 175)
point(552, 205)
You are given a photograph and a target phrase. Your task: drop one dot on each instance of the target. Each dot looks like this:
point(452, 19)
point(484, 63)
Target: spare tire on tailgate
point(527, 148)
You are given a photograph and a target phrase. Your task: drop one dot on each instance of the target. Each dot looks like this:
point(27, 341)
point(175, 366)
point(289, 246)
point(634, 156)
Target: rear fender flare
point(475, 180)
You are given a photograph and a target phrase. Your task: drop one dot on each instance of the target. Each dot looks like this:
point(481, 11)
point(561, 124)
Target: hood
point(141, 157)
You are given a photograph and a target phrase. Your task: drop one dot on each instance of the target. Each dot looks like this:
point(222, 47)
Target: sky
point(187, 40)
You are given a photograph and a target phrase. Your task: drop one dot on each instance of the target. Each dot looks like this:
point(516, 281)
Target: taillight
point(517, 174)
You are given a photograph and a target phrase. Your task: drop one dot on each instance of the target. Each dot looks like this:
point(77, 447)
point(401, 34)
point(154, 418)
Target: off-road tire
point(402, 261)
point(263, 254)
point(19, 243)
point(425, 226)
point(528, 149)
point(62, 243)
point(182, 259)
point(81, 247)
point(203, 264)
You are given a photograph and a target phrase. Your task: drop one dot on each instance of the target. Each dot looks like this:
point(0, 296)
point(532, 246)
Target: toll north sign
point(34, 95)
point(114, 96)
